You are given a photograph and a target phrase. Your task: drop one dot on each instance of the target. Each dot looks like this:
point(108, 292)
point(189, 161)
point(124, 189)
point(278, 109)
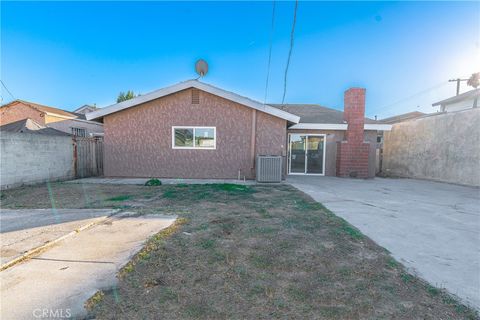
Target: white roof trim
point(338, 126)
point(193, 84)
point(319, 126)
point(377, 126)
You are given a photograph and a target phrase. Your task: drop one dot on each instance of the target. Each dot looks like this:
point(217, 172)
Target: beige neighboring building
point(66, 121)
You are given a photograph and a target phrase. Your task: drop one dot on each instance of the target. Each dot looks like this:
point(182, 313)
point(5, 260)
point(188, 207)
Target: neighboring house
point(85, 109)
point(30, 126)
point(195, 130)
point(402, 117)
point(68, 122)
point(459, 102)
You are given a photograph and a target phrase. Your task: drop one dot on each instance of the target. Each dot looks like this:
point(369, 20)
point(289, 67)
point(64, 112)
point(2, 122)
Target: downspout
point(253, 141)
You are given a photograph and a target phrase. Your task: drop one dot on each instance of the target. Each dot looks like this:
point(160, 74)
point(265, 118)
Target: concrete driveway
point(56, 283)
point(432, 228)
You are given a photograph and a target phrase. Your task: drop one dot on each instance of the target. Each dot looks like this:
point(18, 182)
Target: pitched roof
point(314, 113)
point(193, 84)
point(85, 109)
point(45, 109)
point(472, 94)
point(30, 126)
point(403, 117)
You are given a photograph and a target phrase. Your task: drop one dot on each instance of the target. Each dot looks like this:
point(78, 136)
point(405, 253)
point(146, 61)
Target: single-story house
point(62, 120)
point(402, 117)
point(464, 101)
point(195, 130)
point(30, 126)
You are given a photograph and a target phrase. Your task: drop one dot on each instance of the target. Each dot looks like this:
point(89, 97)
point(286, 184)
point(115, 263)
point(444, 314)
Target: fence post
point(75, 157)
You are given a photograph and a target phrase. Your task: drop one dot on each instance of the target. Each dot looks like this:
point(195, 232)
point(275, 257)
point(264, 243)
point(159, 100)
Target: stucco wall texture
point(138, 140)
point(444, 147)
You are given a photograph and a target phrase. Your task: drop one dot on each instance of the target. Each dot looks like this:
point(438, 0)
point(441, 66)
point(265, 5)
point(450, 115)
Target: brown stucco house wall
point(138, 134)
point(138, 140)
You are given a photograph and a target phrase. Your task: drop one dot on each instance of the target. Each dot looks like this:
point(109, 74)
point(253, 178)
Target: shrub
point(153, 182)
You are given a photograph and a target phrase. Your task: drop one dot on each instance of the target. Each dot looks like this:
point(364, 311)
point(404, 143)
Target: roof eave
point(192, 84)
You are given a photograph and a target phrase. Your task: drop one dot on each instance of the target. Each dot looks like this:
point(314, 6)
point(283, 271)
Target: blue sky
point(67, 54)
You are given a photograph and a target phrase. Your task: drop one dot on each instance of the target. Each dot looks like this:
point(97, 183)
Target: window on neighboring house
point(79, 132)
point(194, 137)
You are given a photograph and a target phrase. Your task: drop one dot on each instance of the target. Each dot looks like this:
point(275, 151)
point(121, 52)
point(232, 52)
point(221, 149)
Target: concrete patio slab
point(432, 228)
point(61, 279)
point(141, 181)
point(26, 229)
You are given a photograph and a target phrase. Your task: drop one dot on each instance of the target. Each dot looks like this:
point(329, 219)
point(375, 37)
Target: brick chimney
point(352, 153)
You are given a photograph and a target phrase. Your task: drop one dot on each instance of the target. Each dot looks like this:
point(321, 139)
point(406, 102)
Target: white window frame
point(306, 150)
point(76, 130)
point(194, 128)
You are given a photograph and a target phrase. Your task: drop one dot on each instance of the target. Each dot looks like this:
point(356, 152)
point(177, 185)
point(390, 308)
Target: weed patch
point(94, 300)
point(120, 198)
point(207, 243)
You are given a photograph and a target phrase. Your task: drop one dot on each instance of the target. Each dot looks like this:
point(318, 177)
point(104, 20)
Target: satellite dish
point(201, 67)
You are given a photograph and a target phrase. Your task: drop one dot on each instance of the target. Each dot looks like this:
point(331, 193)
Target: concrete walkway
point(432, 228)
point(25, 229)
point(141, 181)
point(58, 282)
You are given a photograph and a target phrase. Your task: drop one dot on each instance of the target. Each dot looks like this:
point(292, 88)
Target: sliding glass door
point(297, 153)
point(306, 154)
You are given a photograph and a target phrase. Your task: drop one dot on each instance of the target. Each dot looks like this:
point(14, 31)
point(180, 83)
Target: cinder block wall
point(443, 147)
point(30, 158)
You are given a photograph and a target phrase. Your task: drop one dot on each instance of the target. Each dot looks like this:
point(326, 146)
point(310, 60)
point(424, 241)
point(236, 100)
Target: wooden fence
point(88, 157)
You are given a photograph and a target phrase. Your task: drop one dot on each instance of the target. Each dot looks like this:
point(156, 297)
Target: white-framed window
point(79, 132)
point(186, 137)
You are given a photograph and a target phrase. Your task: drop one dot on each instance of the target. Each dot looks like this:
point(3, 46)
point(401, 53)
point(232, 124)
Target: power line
point(270, 51)
point(388, 107)
point(3, 84)
point(292, 38)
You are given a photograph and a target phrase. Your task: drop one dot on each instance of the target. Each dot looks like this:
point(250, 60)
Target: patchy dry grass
point(242, 252)
point(68, 195)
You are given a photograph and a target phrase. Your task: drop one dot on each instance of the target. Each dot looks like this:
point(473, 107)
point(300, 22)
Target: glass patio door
point(306, 154)
point(297, 153)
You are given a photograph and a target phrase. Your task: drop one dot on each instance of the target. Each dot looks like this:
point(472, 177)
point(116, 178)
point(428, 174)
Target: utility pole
point(458, 83)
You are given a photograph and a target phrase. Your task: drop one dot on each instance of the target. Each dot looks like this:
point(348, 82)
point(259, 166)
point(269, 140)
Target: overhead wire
point(270, 51)
point(389, 106)
point(3, 84)
point(292, 38)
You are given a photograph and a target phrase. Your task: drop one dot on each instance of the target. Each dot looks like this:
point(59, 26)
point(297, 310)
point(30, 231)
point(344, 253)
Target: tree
point(122, 96)
point(474, 80)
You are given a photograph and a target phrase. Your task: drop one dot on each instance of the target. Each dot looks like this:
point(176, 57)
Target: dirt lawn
point(256, 252)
